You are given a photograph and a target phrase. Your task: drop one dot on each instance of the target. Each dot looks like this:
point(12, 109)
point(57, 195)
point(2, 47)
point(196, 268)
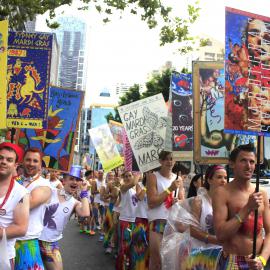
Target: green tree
point(159, 83)
point(132, 95)
point(173, 28)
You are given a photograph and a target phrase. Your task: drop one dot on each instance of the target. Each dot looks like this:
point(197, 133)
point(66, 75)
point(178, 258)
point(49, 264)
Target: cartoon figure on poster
point(28, 73)
point(247, 102)
point(57, 141)
point(214, 142)
point(182, 120)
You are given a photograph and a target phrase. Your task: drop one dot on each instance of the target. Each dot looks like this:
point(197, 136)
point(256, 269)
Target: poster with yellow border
point(3, 73)
point(105, 146)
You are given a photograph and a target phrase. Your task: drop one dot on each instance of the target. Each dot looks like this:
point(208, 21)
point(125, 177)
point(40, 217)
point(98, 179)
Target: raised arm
point(20, 219)
point(39, 195)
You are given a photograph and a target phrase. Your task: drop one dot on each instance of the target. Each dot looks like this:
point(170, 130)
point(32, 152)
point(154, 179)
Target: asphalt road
point(83, 252)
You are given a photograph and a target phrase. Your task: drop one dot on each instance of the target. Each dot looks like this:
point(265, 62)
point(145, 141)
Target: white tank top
point(55, 183)
point(35, 226)
point(128, 206)
point(160, 212)
point(97, 196)
point(56, 217)
point(142, 207)
point(17, 193)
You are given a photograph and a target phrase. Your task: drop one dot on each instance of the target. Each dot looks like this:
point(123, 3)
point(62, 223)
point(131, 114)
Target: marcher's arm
point(153, 198)
point(20, 219)
point(195, 232)
point(125, 187)
point(225, 228)
point(82, 208)
point(140, 192)
point(39, 196)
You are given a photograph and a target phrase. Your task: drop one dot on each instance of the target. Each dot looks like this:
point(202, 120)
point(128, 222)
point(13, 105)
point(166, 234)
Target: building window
point(209, 56)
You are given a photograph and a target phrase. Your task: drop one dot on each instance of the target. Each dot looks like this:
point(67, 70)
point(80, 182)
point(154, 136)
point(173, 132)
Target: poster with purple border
point(247, 73)
point(28, 77)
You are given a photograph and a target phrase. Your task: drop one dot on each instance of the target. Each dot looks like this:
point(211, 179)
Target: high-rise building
point(71, 36)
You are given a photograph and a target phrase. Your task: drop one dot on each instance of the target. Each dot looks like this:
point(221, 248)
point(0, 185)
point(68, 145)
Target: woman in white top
point(57, 214)
point(126, 220)
point(160, 196)
point(54, 180)
point(140, 236)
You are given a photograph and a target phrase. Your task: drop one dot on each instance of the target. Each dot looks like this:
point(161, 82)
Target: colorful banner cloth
point(145, 123)
point(247, 52)
point(28, 77)
point(57, 142)
point(106, 148)
point(3, 73)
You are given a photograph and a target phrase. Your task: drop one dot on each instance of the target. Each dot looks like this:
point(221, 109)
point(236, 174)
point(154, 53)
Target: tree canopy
point(158, 83)
point(173, 28)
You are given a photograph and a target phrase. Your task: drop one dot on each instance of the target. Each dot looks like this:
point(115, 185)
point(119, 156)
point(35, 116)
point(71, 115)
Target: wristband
point(206, 238)
point(167, 191)
point(239, 219)
point(262, 259)
point(83, 194)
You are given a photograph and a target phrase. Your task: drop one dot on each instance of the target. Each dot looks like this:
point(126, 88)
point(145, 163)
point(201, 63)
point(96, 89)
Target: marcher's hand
point(254, 201)
point(175, 184)
point(254, 264)
point(175, 200)
point(85, 185)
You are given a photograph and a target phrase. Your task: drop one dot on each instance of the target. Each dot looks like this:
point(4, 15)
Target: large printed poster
point(28, 71)
point(182, 117)
point(247, 98)
point(3, 73)
point(58, 140)
point(105, 146)
point(211, 144)
point(145, 124)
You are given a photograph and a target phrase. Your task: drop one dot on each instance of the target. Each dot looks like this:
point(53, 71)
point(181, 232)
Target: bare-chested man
point(233, 207)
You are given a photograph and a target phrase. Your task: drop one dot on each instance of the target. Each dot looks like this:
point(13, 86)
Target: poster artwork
point(58, 140)
point(130, 161)
point(117, 132)
point(3, 73)
point(182, 118)
point(105, 146)
point(247, 52)
point(28, 77)
point(145, 123)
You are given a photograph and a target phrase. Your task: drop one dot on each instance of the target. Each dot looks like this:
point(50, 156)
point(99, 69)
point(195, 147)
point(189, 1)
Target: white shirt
point(160, 212)
point(128, 206)
point(142, 206)
point(17, 193)
point(56, 217)
point(35, 226)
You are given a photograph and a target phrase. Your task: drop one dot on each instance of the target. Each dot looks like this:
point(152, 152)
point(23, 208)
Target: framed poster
point(211, 144)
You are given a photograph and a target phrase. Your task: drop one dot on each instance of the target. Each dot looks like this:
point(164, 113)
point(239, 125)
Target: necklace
point(66, 195)
point(10, 187)
point(30, 180)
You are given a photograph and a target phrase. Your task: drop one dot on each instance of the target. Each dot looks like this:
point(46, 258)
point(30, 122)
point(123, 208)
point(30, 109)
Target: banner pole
point(12, 135)
point(257, 190)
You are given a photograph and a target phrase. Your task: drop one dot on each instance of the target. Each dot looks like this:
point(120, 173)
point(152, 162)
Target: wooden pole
point(257, 190)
